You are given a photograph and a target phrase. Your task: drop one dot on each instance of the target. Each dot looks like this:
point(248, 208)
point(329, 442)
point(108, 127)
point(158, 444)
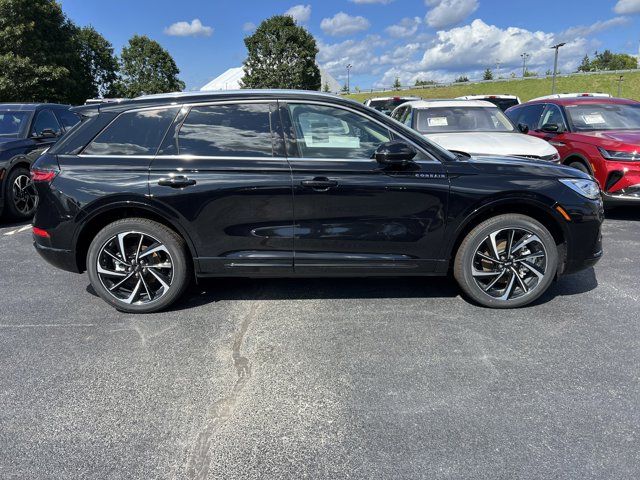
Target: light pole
point(349, 67)
point(620, 80)
point(555, 66)
point(524, 56)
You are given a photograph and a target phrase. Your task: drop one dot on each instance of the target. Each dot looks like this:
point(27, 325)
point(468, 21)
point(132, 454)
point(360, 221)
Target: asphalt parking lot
point(322, 379)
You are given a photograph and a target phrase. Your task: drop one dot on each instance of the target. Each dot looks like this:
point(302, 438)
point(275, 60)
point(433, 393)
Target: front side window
point(607, 116)
point(236, 130)
point(462, 119)
point(529, 116)
point(45, 120)
point(133, 133)
point(553, 115)
point(13, 123)
point(330, 132)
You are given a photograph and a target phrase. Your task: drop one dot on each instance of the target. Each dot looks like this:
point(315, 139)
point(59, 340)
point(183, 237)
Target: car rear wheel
point(506, 261)
point(22, 198)
point(138, 265)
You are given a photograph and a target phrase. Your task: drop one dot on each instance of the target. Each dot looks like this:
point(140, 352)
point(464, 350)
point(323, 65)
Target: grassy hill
point(526, 89)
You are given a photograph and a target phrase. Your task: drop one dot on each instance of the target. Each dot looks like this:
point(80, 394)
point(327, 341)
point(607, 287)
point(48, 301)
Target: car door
point(552, 115)
point(221, 170)
point(352, 215)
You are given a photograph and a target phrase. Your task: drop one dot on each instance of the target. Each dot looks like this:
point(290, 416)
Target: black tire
point(580, 166)
point(474, 272)
point(170, 250)
point(20, 203)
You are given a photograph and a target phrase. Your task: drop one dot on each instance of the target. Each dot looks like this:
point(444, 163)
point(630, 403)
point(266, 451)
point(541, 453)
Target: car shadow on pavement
point(214, 290)
point(623, 213)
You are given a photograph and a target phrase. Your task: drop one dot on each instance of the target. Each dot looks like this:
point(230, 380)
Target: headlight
point(586, 188)
point(622, 156)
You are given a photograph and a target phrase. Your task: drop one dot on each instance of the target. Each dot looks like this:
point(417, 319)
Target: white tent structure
point(230, 80)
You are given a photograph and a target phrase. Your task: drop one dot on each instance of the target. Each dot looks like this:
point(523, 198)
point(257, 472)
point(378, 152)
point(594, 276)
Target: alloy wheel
point(25, 197)
point(135, 268)
point(509, 263)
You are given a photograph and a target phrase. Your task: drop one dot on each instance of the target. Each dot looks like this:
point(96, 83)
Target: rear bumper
point(63, 259)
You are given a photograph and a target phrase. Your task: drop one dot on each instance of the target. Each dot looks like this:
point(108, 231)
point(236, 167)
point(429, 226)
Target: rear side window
point(236, 130)
point(68, 119)
point(528, 115)
point(133, 133)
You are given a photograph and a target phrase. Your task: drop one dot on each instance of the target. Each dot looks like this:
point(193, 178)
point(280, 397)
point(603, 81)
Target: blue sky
point(382, 39)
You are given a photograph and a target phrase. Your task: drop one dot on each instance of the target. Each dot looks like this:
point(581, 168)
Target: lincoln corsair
point(149, 193)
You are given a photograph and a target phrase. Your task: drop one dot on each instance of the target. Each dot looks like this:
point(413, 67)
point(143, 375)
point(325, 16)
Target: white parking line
point(18, 230)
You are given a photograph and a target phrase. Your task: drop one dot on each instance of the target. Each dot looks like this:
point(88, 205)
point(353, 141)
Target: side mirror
point(552, 128)
point(394, 153)
point(523, 128)
point(45, 133)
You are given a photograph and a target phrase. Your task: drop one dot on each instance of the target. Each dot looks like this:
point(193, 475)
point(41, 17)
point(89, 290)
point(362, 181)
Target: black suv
point(147, 193)
point(26, 130)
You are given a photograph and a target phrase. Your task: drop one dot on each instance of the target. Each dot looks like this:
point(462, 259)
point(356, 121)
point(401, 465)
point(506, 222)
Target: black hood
point(523, 166)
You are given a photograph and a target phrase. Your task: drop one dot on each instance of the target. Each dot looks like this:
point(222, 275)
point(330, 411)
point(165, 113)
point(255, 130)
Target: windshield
point(607, 116)
point(462, 119)
point(387, 106)
point(12, 123)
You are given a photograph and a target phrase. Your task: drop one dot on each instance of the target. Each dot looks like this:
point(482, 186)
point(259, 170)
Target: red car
point(595, 134)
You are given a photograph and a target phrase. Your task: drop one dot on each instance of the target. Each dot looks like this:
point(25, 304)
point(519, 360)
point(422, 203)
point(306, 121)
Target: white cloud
point(627, 7)
point(406, 28)
point(249, 27)
point(449, 12)
point(383, 2)
point(472, 48)
point(343, 24)
point(359, 53)
point(300, 13)
point(186, 29)
point(586, 30)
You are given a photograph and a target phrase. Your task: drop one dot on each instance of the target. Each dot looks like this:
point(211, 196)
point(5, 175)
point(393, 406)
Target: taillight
point(40, 175)
point(39, 232)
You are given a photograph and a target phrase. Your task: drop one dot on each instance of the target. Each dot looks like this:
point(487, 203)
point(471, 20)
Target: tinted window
point(502, 103)
point(329, 132)
point(552, 114)
point(133, 133)
point(239, 130)
point(13, 123)
point(528, 115)
point(68, 119)
point(45, 119)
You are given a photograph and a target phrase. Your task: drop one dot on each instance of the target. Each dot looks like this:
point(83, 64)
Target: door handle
point(320, 183)
point(179, 181)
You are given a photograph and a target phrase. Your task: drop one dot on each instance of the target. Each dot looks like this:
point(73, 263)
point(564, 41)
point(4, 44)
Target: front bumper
point(624, 196)
point(583, 235)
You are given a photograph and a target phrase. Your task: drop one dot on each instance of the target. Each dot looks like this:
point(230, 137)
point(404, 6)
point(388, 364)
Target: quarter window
point(329, 132)
point(133, 133)
point(237, 130)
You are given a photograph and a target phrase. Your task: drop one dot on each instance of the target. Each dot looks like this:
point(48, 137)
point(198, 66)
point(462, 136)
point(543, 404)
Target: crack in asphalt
point(200, 459)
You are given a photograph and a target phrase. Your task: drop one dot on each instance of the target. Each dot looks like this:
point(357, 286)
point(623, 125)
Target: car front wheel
point(506, 261)
point(138, 265)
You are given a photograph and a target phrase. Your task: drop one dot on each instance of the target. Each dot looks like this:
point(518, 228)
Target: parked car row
point(26, 130)
point(591, 132)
